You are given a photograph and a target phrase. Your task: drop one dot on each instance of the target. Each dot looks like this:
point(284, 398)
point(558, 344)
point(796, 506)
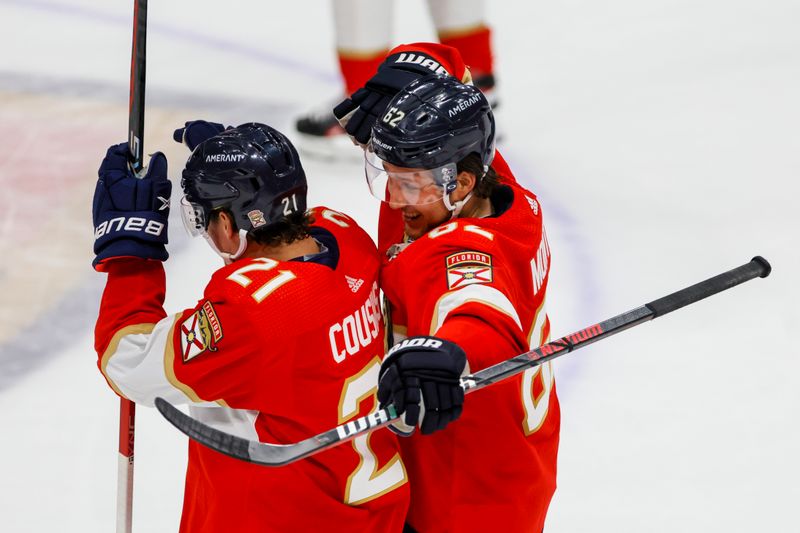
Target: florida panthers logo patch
point(257, 218)
point(200, 332)
point(466, 268)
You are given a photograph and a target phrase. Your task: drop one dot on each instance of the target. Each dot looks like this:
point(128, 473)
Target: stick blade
point(215, 439)
point(255, 452)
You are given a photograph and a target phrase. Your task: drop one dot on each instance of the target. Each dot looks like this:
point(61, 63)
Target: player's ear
point(226, 224)
point(465, 182)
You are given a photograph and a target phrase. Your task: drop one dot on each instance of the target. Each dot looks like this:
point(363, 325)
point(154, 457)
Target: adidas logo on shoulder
point(354, 283)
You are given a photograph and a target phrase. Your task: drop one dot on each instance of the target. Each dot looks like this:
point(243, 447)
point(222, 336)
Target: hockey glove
point(196, 132)
point(130, 214)
point(359, 113)
point(420, 376)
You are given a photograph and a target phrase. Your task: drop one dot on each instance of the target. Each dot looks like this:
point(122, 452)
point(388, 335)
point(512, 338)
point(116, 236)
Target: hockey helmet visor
point(407, 186)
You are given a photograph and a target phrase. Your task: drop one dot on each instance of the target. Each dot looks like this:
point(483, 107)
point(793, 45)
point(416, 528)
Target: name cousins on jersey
point(357, 330)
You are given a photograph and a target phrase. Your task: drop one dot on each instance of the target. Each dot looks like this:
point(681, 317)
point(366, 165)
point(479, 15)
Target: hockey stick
point(127, 427)
point(280, 454)
point(136, 103)
point(127, 409)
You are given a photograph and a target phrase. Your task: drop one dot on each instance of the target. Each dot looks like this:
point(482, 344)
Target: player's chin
point(414, 234)
point(412, 222)
point(407, 228)
point(415, 228)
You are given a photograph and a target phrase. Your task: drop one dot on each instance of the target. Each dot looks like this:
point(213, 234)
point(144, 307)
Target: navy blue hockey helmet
point(432, 123)
point(252, 170)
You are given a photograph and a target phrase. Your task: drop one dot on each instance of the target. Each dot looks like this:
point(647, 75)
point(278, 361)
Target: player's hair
point(285, 230)
point(484, 185)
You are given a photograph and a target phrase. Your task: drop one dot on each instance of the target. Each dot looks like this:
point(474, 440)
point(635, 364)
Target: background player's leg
point(462, 25)
point(363, 36)
point(363, 30)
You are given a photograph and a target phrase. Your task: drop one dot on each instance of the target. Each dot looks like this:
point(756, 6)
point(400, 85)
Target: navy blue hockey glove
point(130, 214)
point(420, 376)
point(195, 132)
point(359, 113)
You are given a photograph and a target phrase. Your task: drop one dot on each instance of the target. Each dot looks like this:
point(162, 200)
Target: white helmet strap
point(455, 207)
point(227, 256)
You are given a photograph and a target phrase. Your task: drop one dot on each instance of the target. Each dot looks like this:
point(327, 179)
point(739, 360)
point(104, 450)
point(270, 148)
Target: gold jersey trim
point(111, 349)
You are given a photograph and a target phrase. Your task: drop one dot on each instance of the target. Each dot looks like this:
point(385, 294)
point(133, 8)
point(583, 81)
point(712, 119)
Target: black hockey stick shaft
point(757, 267)
point(280, 454)
point(127, 409)
point(136, 103)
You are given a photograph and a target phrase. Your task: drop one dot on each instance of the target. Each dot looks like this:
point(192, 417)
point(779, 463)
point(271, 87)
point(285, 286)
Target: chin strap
point(227, 256)
point(455, 207)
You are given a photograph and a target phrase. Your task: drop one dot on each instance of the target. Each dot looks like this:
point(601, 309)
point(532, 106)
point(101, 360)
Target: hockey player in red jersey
point(467, 266)
point(285, 342)
point(358, 113)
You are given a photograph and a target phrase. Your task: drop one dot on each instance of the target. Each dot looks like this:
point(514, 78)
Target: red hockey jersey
point(275, 351)
point(481, 282)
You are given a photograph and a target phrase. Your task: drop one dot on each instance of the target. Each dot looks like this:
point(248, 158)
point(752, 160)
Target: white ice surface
point(663, 140)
